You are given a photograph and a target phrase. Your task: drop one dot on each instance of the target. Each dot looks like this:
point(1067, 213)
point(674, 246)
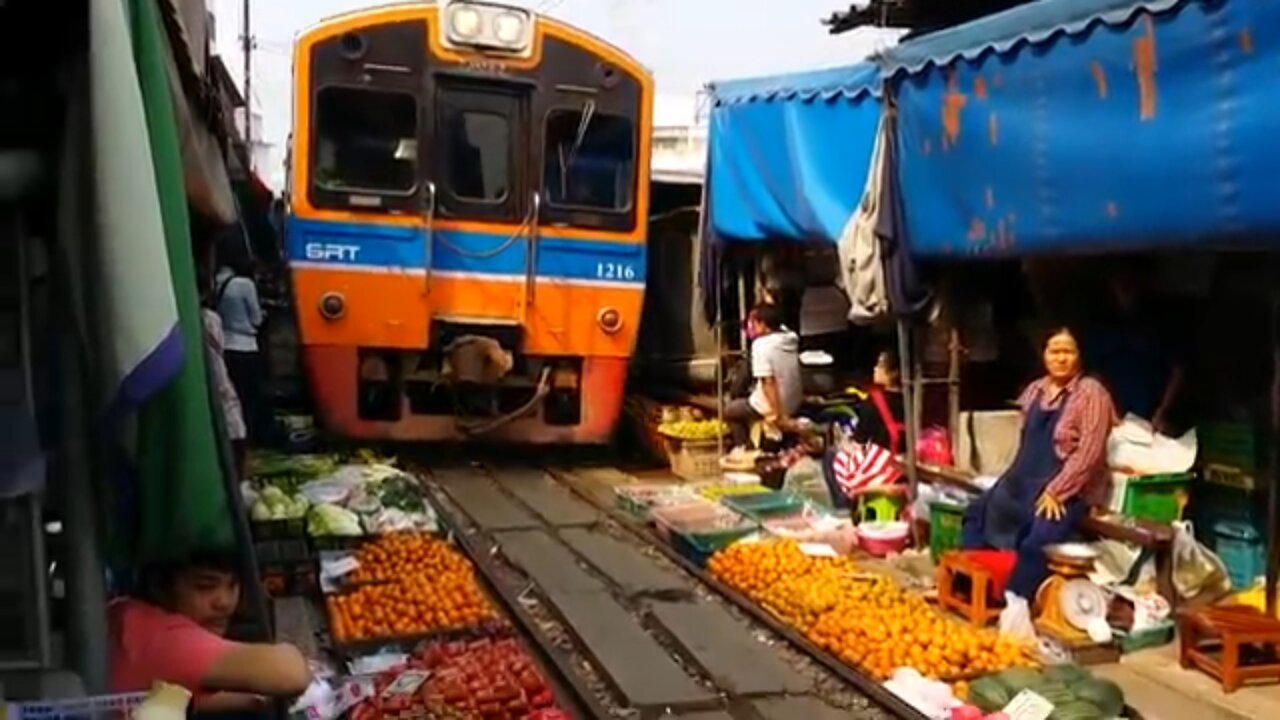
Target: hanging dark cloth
point(910, 288)
point(710, 257)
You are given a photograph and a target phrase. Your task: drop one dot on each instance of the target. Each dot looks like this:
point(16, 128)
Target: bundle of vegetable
point(274, 504)
point(270, 464)
point(401, 492)
point(327, 520)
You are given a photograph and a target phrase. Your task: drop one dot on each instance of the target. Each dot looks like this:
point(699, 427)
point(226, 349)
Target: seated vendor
point(173, 631)
point(877, 421)
point(1060, 469)
point(880, 417)
point(775, 367)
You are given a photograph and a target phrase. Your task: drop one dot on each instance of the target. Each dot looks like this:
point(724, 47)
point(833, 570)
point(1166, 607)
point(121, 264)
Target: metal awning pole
point(1273, 496)
point(910, 390)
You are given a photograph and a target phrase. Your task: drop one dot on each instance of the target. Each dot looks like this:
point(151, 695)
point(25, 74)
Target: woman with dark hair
point(173, 631)
point(1060, 469)
point(235, 297)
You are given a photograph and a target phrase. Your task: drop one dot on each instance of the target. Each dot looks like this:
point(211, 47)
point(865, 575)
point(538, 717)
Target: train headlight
point(508, 28)
point(488, 26)
point(333, 305)
point(465, 22)
point(610, 320)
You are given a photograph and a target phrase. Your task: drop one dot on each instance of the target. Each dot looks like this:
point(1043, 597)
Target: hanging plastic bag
point(1195, 567)
point(1015, 619)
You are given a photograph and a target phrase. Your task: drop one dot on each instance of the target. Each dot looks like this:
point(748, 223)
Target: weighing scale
point(1067, 604)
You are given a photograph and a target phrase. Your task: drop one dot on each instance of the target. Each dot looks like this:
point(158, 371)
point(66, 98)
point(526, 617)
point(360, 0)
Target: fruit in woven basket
point(694, 429)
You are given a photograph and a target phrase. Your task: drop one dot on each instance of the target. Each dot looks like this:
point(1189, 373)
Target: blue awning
point(1091, 126)
point(788, 155)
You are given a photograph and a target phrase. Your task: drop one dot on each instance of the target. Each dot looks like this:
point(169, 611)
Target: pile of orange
point(868, 622)
point(416, 584)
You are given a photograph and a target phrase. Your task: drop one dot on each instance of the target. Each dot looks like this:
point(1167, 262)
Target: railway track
point(630, 628)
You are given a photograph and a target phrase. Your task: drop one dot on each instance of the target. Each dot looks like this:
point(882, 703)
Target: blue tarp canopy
point(1091, 126)
point(788, 155)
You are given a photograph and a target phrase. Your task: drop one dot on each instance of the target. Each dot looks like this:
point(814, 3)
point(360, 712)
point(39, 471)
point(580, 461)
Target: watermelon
point(1019, 679)
point(1078, 710)
point(989, 694)
point(1069, 674)
point(1055, 692)
point(1104, 694)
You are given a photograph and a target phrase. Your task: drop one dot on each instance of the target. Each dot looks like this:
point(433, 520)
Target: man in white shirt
point(775, 366)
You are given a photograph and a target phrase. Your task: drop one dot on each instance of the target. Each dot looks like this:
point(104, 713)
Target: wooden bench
point(1151, 536)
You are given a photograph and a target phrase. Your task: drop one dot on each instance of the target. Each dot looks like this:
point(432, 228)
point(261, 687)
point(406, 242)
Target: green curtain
point(183, 503)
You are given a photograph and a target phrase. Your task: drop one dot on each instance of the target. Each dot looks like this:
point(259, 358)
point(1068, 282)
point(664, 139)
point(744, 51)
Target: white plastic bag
point(1195, 567)
point(1015, 619)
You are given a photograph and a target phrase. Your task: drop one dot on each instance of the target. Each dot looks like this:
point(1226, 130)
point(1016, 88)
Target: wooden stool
point(977, 607)
point(1212, 640)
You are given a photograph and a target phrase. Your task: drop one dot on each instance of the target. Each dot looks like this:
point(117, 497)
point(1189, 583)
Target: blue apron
point(1000, 517)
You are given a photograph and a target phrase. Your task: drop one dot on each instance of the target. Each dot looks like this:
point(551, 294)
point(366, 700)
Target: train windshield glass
point(366, 141)
point(479, 147)
point(590, 160)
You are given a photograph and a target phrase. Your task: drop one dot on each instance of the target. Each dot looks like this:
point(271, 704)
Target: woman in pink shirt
point(173, 632)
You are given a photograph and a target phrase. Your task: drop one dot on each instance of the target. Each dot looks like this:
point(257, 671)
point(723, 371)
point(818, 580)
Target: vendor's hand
point(1050, 507)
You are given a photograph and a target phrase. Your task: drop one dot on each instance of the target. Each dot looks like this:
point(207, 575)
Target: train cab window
point(479, 147)
point(366, 141)
point(590, 160)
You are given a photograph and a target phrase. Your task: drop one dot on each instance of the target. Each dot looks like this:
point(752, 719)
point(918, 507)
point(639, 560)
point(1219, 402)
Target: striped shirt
point(1080, 438)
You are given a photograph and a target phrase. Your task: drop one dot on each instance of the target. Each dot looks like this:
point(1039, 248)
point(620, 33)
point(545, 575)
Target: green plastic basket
point(945, 523)
point(1157, 498)
point(765, 504)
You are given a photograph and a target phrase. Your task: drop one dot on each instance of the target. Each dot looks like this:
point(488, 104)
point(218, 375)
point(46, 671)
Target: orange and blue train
point(467, 174)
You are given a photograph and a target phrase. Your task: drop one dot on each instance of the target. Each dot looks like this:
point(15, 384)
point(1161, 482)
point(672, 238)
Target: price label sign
point(1027, 705)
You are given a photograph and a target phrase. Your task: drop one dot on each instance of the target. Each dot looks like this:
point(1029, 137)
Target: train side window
point(479, 147)
point(366, 142)
point(589, 160)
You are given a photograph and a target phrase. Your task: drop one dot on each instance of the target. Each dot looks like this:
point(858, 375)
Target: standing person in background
point(235, 296)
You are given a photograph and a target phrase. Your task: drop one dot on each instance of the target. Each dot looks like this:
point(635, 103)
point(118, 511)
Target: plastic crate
point(1241, 549)
point(946, 521)
point(1157, 498)
point(699, 546)
point(765, 505)
point(1161, 634)
point(694, 459)
point(1230, 444)
point(101, 707)
point(289, 529)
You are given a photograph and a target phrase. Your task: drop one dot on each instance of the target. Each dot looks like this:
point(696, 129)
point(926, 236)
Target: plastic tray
point(639, 500)
point(697, 512)
point(766, 504)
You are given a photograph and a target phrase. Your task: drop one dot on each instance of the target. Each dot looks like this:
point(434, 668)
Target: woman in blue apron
point(1059, 472)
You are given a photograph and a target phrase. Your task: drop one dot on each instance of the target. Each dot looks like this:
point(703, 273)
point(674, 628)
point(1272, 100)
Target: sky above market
point(685, 43)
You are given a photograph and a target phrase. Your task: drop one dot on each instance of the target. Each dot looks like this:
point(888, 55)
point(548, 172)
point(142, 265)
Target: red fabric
point(999, 563)
point(895, 428)
point(1080, 438)
point(863, 468)
point(150, 644)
